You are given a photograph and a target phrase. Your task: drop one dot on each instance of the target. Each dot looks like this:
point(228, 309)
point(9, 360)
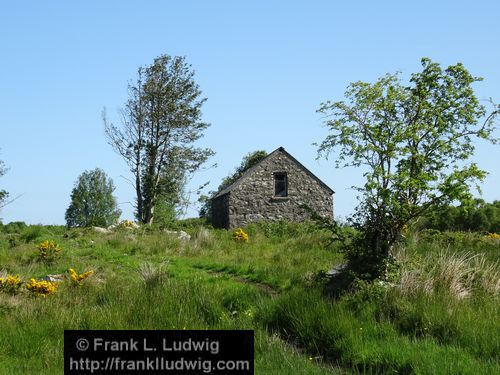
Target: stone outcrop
point(181, 235)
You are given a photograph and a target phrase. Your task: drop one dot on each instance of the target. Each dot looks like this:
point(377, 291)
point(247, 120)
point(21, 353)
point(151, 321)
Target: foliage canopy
point(92, 201)
point(412, 142)
point(249, 160)
point(478, 216)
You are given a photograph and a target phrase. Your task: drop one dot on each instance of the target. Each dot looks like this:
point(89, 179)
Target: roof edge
point(228, 189)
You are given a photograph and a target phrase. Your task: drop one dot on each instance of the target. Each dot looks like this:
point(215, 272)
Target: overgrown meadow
point(438, 314)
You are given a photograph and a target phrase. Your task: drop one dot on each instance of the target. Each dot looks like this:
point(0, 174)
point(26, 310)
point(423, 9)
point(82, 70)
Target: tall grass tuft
point(457, 274)
point(202, 238)
point(153, 275)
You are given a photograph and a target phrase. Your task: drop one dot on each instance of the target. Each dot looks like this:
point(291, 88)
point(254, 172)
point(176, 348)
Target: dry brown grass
point(458, 274)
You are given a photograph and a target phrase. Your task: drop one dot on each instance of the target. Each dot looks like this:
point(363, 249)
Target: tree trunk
point(149, 214)
point(138, 193)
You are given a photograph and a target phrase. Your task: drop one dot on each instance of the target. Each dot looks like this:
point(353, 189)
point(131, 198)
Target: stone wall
point(253, 198)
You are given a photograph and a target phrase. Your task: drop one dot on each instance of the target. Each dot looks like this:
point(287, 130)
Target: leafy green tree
point(412, 143)
point(3, 193)
point(476, 215)
point(248, 162)
point(171, 198)
point(161, 121)
point(92, 201)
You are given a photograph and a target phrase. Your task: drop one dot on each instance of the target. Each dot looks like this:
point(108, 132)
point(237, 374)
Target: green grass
point(373, 336)
point(431, 321)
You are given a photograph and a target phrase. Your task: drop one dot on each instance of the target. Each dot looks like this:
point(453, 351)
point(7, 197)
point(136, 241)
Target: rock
point(54, 278)
point(101, 230)
point(133, 225)
point(336, 270)
point(386, 284)
point(183, 236)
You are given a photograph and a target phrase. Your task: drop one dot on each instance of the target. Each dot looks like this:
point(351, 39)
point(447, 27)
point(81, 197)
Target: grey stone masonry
point(256, 197)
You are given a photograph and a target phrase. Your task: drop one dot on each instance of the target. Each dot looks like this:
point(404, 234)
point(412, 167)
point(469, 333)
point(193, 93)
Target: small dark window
point(280, 185)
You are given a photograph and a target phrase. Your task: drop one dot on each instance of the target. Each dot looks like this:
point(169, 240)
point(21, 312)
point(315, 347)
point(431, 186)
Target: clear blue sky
point(265, 66)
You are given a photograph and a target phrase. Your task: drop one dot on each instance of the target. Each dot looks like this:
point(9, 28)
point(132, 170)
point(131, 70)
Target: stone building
point(273, 189)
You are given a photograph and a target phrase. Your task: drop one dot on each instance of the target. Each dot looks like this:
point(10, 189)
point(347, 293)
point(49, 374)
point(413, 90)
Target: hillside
point(435, 316)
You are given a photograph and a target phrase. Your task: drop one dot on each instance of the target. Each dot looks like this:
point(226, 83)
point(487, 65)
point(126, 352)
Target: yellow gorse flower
point(240, 235)
point(11, 280)
point(48, 250)
point(41, 288)
point(11, 283)
point(494, 236)
point(78, 278)
point(127, 224)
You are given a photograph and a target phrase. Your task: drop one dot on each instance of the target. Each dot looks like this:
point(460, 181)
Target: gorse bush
point(10, 284)
point(48, 251)
point(240, 235)
point(493, 236)
point(41, 288)
point(77, 278)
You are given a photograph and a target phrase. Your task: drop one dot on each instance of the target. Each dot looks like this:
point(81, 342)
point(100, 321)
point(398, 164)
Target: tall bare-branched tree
point(160, 123)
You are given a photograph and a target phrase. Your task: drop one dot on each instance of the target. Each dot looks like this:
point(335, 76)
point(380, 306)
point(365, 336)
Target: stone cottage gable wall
point(253, 198)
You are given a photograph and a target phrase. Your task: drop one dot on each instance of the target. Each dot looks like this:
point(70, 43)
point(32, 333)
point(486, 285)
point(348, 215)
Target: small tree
point(92, 201)
point(413, 143)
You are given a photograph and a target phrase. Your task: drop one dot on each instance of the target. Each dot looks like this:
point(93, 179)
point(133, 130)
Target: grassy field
point(439, 314)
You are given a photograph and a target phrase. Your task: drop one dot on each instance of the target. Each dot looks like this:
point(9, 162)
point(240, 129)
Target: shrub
point(494, 236)
point(240, 235)
point(14, 240)
point(10, 284)
point(48, 251)
point(32, 233)
point(41, 288)
point(77, 278)
point(14, 227)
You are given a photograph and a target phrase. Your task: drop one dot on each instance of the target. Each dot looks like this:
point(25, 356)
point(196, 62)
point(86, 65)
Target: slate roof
point(249, 171)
